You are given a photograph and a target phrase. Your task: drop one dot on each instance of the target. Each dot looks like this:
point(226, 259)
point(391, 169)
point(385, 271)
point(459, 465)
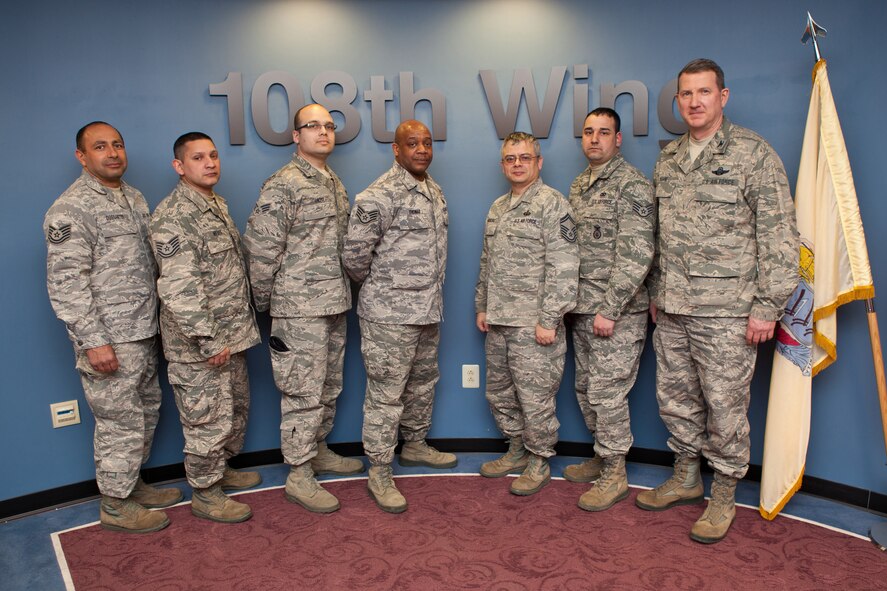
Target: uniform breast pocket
point(411, 222)
point(526, 250)
point(597, 236)
point(219, 245)
point(715, 208)
point(318, 213)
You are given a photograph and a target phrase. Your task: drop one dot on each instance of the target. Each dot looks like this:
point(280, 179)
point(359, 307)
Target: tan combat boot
point(587, 471)
point(239, 480)
point(534, 477)
point(213, 504)
point(151, 497)
point(720, 512)
point(380, 485)
point(125, 515)
point(683, 488)
point(329, 462)
point(302, 488)
point(611, 488)
point(514, 461)
point(419, 453)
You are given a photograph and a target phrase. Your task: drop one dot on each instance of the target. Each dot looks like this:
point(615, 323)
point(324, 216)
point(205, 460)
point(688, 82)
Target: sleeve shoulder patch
point(59, 233)
point(568, 228)
point(167, 249)
point(642, 209)
point(365, 216)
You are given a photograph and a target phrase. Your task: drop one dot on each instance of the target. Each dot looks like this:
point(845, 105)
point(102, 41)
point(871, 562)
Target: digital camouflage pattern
point(294, 240)
point(522, 381)
point(728, 239)
point(727, 248)
point(126, 407)
point(205, 307)
point(528, 275)
point(100, 271)
point(213, 407)
point(616, 225)
point(203, 288)
point(530, 262)
point(397, 246)
point(606, 369)
point(307, 358)
point(401, 367)
point(703, 373)
point(100, 275)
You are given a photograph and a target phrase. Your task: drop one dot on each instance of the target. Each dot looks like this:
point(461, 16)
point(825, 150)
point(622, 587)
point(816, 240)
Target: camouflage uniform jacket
point(203, 288)
point(99, 269)
point(728, 239)
point(397, 245)
point(529, 266)
point(293, 243)
point(616, 222)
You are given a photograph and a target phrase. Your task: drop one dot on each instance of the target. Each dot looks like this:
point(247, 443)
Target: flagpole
point(878, 532)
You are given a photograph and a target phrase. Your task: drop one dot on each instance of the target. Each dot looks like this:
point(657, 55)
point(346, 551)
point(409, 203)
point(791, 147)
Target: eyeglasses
point(317, 125)
point(524, 158)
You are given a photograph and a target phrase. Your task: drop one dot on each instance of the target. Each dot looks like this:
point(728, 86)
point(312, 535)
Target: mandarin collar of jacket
point(679, 149)
point(611, 165)
point(201, 201)
point(93, 183)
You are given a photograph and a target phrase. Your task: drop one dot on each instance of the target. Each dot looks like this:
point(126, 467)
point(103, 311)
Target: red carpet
point(468, 533)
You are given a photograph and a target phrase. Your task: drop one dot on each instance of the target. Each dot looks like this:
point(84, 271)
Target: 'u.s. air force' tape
point(167, 249)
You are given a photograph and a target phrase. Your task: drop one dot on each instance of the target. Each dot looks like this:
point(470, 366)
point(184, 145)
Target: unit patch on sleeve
point(568, 228)
point(642, 209)
point(366, 217)
point(58, 234)
point(167, 249)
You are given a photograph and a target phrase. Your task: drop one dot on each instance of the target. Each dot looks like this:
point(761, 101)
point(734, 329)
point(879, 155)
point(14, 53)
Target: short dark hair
point(184, 139)
point(80, 132)
point(703, 65)
point(607, 112)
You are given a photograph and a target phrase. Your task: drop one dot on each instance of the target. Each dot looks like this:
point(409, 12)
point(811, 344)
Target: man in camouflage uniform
point(727, 261)
point(528, 275)
point(100, 276)
point(293, 243)
point(207, 325)
point(616, 221)
point(397, 246)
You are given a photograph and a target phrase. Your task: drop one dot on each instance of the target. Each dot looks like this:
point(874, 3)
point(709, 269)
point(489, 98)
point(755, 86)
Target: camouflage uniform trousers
point(703, 373)
point(606, 369)
point(213, 407)
point(309, 377)
point(522, 381)
point(401, 368)
point(126, 406)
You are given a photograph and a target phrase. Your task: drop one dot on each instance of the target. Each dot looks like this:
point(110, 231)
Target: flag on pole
point(834, 270)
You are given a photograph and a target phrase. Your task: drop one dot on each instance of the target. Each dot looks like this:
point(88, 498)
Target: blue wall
point(146, 68)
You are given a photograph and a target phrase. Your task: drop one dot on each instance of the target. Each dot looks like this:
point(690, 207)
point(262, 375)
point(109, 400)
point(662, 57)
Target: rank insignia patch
point(263, 208)
point(642, 209)
point(167, 249)
point(59, 234)
point(366, 217)
point(568, 228)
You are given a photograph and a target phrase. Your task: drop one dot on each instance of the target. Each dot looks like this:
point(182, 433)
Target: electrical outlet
point(471, 376)
point(65, 414)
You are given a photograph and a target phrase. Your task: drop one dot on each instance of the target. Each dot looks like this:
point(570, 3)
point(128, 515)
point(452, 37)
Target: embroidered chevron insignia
point(568, 228)
point(642, 209)
point(167, 249)
point(366, 217)
point(59, 234)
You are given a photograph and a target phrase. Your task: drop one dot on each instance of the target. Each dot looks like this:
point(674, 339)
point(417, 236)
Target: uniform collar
point(528, 193)
point(611, 165)
point(680, 149)
point(93, 183)
point(201, 201)
point(409, 181)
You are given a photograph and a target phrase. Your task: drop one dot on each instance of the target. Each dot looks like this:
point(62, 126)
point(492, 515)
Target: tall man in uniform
point(727, 261)
point(100, 276)
point(615, 216)
point(293, 244)
point(207, 324)
point(529, 271)
point(397, 246)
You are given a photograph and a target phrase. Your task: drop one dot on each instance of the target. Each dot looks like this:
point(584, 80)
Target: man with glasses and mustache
point(397, 246)
point(528, 279)
point(293, 241)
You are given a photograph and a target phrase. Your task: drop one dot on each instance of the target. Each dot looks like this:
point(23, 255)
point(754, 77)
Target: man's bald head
point(413, 147)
